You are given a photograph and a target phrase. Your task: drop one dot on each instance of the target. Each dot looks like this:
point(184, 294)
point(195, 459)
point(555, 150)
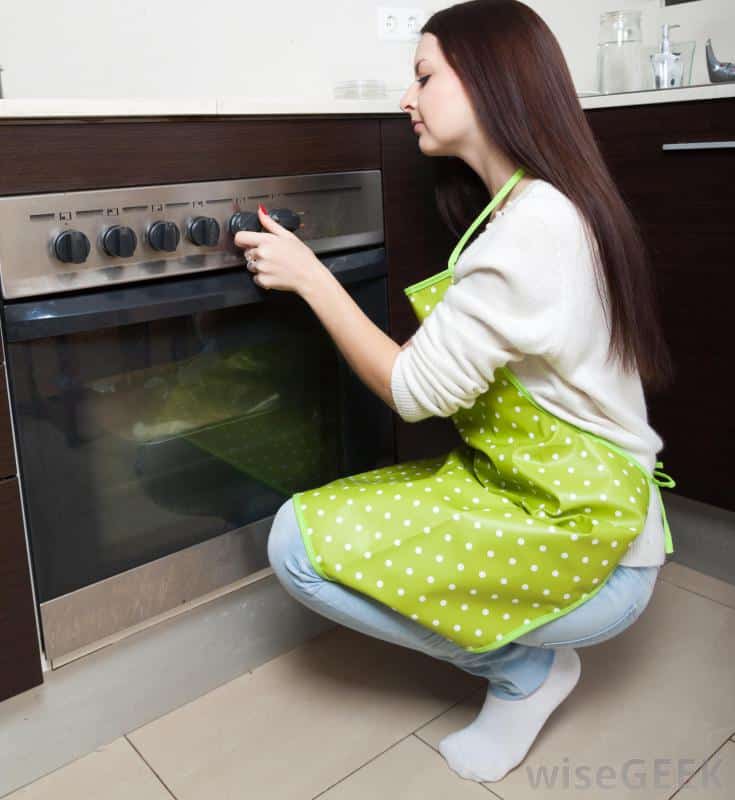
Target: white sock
point(504, 730)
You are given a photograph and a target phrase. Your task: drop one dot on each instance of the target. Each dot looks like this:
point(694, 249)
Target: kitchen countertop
point(41, 107)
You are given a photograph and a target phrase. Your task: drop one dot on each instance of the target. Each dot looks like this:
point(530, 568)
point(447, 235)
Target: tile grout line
point(142, 758)
point(41, 777)
point(479, 783)
point(357, 769)
point(454, 705)
point(79, 758)
point(698, 594)
point(391, 746)
point(696, 771)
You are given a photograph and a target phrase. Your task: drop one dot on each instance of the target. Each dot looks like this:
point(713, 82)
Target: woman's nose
point(403, 104)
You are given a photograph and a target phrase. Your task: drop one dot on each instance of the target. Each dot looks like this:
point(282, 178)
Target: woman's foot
point(504, 730)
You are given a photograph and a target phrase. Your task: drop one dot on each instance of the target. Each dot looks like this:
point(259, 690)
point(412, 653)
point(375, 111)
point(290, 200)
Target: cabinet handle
point(699, 145)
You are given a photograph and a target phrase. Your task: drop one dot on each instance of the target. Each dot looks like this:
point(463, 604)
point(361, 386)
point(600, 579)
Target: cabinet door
point(682, 200)
point(7, 459)
point(418, 244)
point(20, 662)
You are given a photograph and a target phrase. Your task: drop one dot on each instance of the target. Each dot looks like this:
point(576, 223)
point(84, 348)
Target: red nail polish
point(263, 209)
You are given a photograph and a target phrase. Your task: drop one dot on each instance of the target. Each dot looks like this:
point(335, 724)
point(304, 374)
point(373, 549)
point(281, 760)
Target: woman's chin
point(424, 140)
point(428, 145)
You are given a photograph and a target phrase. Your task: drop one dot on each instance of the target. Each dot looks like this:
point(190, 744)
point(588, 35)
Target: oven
point(164, 405)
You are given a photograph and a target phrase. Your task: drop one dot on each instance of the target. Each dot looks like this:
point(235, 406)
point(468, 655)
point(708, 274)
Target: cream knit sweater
point(524, 294)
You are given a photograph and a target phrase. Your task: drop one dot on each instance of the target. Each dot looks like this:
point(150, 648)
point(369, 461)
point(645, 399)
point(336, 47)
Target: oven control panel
point(67, 241)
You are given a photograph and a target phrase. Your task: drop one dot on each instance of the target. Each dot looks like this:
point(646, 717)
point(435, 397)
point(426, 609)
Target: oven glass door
point(141, 439)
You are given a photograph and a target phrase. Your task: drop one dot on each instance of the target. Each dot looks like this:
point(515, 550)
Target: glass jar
point(619, 53)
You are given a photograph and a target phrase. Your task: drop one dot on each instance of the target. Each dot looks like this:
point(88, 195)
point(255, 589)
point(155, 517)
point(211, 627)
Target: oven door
point(160, 426)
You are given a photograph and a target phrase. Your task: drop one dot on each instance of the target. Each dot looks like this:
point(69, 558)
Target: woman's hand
point(277, 257)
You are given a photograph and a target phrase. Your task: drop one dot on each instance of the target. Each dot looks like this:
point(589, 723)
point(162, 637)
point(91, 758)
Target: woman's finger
point(250, 238)
point(267, 221)
point(258, 279)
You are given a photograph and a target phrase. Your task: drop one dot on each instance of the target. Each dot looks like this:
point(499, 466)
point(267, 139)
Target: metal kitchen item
point(719, 71)
point(667, 65)
point(164, 405)
point(619, 62)
point(360, 90)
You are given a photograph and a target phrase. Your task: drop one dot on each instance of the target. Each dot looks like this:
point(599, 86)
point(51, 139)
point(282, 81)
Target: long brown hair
point(517, 79)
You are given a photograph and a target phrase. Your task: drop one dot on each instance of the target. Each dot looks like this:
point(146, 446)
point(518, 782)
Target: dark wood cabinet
point(418, 244)
point(7, 457)
point(63, 156)
point(20, 660)
point(682, 200)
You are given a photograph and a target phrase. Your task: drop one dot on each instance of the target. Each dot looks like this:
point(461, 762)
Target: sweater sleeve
point(507, 301)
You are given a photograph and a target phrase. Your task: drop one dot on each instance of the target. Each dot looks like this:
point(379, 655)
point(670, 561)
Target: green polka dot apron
point(522, 522)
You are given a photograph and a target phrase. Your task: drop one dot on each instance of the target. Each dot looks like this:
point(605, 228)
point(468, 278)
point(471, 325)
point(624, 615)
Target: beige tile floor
point(346, 717)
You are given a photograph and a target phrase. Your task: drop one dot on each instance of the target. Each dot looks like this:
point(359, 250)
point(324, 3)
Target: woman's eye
point(423, 80)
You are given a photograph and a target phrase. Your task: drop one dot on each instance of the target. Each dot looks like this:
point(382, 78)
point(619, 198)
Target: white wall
point(576, 25)
point(283, 50)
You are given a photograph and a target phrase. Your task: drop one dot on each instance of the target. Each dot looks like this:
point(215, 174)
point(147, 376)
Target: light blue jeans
point(514, 670)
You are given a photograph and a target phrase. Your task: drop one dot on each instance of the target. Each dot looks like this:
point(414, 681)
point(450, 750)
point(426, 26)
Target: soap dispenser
point(667, 67)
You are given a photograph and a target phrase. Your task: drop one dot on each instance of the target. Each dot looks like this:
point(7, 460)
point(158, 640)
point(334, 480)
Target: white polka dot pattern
point(520, 523)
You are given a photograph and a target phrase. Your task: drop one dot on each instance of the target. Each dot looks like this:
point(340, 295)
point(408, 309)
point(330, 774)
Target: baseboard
point(703, 536)
point(94, 699)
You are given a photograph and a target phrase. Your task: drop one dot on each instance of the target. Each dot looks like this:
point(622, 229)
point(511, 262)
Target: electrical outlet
point(400, 24)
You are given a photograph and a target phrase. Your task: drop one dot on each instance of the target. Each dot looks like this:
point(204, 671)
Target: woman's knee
point(281, 534)
point(287, 554)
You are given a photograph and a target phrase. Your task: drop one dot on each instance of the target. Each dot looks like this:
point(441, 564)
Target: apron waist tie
point(660, 478)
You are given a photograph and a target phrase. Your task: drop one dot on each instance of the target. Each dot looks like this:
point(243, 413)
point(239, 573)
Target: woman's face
point(438, 101)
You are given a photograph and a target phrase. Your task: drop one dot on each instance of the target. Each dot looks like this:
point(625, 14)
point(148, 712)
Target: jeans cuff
point(524, 676)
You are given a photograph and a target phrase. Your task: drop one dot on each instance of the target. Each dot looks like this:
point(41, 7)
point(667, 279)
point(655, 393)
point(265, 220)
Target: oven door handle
point(40, 318)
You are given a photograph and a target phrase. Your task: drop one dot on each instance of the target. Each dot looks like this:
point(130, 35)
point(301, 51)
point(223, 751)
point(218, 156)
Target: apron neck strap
point(491, 205)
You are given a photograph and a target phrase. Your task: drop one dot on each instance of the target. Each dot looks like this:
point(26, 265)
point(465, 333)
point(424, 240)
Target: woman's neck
point(495, 169)
point(517, 190)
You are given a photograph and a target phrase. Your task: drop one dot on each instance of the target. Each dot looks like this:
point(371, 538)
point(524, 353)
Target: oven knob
point(120, 241)
point(164, 236)
point(71, 247)
point(244, 221)
point(285, 217)
point(203, 231)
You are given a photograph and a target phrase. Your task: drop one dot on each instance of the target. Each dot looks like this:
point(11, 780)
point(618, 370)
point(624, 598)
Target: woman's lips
point(416, 125)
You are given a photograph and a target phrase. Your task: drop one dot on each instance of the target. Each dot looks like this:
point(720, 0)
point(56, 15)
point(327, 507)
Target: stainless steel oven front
point(164, 405)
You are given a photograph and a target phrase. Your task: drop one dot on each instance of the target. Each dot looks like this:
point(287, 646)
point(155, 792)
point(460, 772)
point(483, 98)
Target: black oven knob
point(120, 241)
point(71, 247)
point(285, 217)
point(203, 231)
point(244, 221)
point(164, 236)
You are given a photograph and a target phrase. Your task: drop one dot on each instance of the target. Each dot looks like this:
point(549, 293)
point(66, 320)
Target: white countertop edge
point(42, 107)
point(708, 92)
point(105, 106)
